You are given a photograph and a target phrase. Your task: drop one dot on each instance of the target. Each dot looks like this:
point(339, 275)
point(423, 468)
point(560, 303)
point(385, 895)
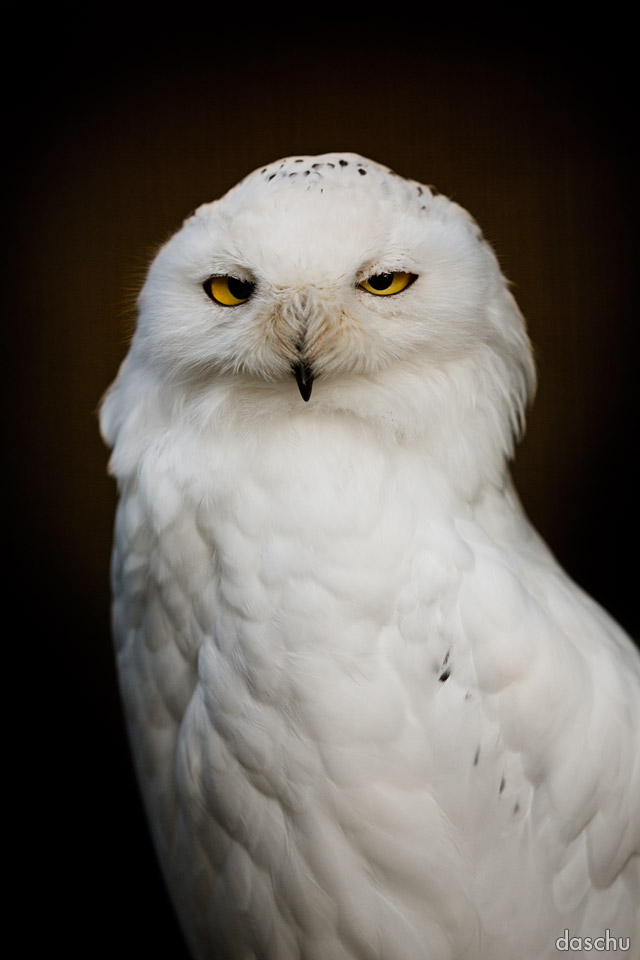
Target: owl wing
point(563, 682)
point(158, 618)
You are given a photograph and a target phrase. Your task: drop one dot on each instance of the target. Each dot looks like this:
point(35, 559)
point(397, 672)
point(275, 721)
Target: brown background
point(113, 143)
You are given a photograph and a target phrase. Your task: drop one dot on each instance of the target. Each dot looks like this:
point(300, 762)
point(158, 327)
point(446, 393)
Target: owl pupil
point(241, 289)
point(381, 281)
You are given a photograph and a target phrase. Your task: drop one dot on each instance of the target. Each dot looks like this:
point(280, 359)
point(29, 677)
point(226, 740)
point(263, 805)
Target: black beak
point(304, 379)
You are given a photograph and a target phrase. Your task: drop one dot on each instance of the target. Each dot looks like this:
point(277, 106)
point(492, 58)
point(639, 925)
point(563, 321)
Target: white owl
point(372, 718)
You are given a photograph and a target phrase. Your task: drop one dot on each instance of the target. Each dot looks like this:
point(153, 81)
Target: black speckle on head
point(419, 191)
point(299, 161)
point(271, 177)
point(444, 675)
point(476, 757)
point(362, 172)
point(446, 658)
point(502, 785)
point(344, 163)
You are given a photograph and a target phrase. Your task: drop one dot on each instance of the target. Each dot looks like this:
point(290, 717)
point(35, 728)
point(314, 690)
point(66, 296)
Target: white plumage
point(372, 718)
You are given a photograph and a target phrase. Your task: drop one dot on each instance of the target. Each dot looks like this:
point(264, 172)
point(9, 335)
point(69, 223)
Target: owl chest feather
point(312, 666)
point(335, 587)
point(307, 592)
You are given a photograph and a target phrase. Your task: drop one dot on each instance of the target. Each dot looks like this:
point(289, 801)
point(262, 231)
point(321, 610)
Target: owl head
point(333, 285)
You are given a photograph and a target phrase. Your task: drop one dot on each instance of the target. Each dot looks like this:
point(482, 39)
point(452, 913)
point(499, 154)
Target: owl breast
point(324, 768)
point(296, 666)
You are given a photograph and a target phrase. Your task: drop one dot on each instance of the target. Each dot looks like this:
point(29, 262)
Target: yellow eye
point(228, 291)
point(386, 284)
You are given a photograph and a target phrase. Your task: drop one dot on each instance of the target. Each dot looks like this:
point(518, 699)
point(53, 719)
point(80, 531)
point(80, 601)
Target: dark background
point(113, 141)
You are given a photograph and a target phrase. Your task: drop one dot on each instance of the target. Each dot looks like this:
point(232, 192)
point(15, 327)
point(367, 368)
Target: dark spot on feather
point(272, 176)
point(446, 658)
point(344, 163)
point(444, 675)
point(467, 695)
point(516, 809)
point(476, 757)
point(502, 783)
point(362, 172)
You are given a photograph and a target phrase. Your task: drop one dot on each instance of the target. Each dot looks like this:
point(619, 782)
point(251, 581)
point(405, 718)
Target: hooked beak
point(304, 378)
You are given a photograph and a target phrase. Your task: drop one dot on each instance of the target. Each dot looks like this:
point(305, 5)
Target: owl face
point(316, 271)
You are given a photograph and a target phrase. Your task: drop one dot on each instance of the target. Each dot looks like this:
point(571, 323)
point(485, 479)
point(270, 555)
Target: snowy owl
point(371, 717)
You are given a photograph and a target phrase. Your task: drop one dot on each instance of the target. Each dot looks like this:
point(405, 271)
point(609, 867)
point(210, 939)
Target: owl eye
point(228, 291)
point(385, 284)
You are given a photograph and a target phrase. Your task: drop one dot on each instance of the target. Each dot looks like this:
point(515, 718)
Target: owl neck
point(459, 418)
point(461, 421)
